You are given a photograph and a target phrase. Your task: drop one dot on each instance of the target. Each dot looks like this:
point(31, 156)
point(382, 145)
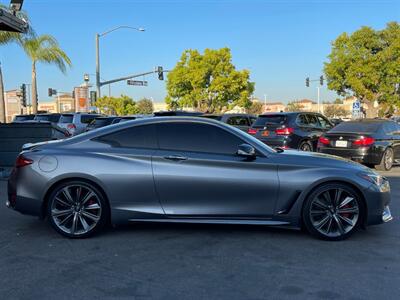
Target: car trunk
point(342, 140)
point(266, 126)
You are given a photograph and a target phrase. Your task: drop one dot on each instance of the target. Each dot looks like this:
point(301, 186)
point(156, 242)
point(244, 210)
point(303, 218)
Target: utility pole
point(318, 99)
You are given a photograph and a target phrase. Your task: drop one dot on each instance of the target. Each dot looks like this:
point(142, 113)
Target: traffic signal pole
point(98, 83)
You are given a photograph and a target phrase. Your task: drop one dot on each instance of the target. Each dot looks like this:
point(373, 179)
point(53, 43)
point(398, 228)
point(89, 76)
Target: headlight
point(378, 180)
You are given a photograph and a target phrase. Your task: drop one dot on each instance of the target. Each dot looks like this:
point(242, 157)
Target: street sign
point(356, 109)
point(136, 82)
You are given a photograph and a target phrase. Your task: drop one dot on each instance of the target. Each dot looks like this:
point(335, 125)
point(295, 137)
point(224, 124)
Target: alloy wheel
point(334, 212)
point(388, 159)
point(306, 147)
point(76, 209)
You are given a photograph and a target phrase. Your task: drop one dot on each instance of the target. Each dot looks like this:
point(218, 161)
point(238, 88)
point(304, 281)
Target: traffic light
point(52, 92)
point(307, 82)
point(23, 95)
point(321, 80)
point(160, 72)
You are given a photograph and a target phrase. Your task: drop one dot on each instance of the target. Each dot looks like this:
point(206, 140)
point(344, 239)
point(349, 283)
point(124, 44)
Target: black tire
point(387, 160)
point(333, 231)
point(306, 146)
point(58, 203)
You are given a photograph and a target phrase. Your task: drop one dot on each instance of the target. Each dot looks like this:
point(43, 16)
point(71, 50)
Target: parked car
point(53, 118)
point(171, 113)
point(23, 118)
point(241, 121)
point(192, 170)
point(129, 118)
point(100, 122)
point(76, 123)
point(373, 142)
point(396, 119)
point(290, 130)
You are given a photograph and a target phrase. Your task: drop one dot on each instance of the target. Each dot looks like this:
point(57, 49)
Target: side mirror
point(247, 151)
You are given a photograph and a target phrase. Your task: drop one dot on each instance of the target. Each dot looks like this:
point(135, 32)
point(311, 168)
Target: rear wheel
point(77, 209)
point(332, 212)
point(386, 161)
point(306, 146)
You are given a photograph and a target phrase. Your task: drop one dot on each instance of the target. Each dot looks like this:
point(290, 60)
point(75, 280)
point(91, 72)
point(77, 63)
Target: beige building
point(13, 104)
point(274, 107)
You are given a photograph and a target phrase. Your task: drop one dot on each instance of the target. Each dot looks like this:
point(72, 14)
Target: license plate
point(265, 133)
point(342, 144)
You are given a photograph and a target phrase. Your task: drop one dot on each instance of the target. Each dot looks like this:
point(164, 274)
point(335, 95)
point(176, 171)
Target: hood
point(322, 160)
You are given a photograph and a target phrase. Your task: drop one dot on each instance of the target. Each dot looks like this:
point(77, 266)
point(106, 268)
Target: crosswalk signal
point(321, 80)
point(23, 95)
point(307, 82)
point(160, 72)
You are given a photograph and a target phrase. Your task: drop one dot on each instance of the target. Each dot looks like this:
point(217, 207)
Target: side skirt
point(214, 221)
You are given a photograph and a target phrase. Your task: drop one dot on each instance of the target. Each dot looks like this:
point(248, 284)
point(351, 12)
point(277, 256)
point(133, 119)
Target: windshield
point(270, 120)
point(357, 127)
point(50, 118)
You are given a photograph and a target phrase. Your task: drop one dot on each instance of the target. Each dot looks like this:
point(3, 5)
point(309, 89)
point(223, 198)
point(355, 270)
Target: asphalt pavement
point(167, 261)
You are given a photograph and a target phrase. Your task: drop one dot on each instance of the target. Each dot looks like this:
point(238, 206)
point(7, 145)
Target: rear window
point(67, 118)
point(87, 119)
point(218, 118)
point(270, 120)
point(50, 118)
point(23, 118)
point(102, 122)
point(359, 127)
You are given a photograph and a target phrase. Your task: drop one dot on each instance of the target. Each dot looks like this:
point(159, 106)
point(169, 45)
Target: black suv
point(291, 130)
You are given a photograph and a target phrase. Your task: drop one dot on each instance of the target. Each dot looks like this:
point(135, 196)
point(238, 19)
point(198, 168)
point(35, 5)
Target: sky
point(280, 42)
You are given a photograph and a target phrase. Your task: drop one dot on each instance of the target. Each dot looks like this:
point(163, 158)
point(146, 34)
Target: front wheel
point(77, 209)
point(332, 212)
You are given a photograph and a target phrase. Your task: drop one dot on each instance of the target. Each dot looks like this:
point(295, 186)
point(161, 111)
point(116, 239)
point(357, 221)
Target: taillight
point(71, 126)
point(364, 141)
point(252, 131)
point(284, 131)
point(22, 161)
point(323, 140)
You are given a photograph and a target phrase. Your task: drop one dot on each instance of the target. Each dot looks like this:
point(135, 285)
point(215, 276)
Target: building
point(274, 107)
point(13, 104)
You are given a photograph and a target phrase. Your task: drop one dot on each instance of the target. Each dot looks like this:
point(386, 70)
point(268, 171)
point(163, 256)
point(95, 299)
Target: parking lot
point(164, 261)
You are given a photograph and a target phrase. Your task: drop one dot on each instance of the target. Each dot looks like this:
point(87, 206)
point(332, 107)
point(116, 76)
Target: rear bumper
point(282, 142)
point(361, 155)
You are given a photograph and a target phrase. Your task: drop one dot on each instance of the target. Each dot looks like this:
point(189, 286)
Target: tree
point(256, 108)
point(334, 110)
point(366, 64)
point(294, 106)
point(208, 82)
point(43, 49)
point(121, 106)
point(145, 106)
point(7, 37)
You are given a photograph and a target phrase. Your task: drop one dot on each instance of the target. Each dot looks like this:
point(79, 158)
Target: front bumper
point(378, 210)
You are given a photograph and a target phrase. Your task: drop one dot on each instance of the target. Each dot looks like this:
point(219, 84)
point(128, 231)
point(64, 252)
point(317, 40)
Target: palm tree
point(45, 49)
point(7, 37)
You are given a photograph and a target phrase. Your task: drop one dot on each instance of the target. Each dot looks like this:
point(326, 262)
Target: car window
point(252, 120)
point(265, 120)
point(238, 121)
point(66, 118)
point(390, 128)
point(196, 137)
point(143, 136)
point(50, 118)
point(302, 120)
point(312, 120)
point(86, 119)
point(357, 127)
point(324, 123)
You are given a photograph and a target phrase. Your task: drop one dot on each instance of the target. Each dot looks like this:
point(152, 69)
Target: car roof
point(370, 121)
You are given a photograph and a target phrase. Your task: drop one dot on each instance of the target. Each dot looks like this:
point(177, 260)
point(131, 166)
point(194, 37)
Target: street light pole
point(98, 82)
point(97, 66)
point(318, 100)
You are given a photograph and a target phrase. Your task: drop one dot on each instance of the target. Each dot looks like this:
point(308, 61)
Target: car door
point(393, 130)
point(315, 129)
point(198, 174)
point(128, 170)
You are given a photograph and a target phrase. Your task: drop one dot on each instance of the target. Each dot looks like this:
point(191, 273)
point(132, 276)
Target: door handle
point(175, 157)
